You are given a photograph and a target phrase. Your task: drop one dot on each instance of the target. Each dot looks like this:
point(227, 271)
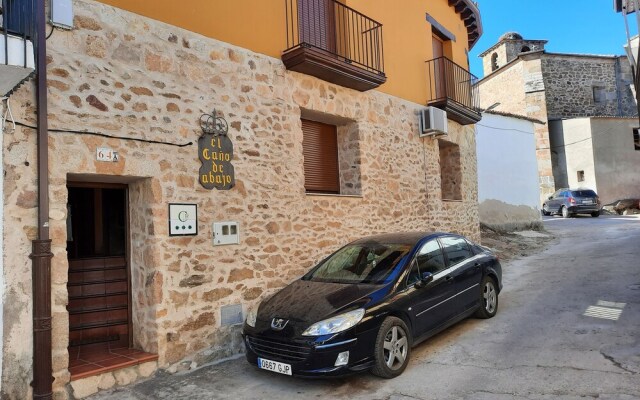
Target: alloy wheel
point(490, 297)
point(396, 347)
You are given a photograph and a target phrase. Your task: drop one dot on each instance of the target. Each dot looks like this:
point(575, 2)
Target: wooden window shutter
point(320, 149)
point(316, 23)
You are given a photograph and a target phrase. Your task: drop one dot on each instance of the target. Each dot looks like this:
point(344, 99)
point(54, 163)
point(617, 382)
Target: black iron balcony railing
point(336, 33)
point(454, 89)
point(17, 19)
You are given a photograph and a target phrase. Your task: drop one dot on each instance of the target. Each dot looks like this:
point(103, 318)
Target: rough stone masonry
point(124, 75)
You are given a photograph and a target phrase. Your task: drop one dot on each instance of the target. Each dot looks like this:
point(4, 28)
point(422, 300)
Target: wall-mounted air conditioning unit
point(433, 122)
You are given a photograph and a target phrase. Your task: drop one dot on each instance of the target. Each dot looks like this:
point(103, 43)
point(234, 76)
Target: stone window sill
point(354, 196)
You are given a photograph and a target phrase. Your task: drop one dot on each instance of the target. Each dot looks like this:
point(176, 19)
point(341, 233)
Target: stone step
point(82, 388)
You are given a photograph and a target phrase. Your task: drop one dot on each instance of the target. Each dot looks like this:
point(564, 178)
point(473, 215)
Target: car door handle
point(448, 279)
point(477, 266)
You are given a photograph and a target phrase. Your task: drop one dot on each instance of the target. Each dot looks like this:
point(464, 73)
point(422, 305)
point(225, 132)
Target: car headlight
point(335, 324)
point(251, 318)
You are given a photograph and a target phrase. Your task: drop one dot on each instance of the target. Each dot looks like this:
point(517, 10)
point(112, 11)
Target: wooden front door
point(439, 66)
point(98, 285)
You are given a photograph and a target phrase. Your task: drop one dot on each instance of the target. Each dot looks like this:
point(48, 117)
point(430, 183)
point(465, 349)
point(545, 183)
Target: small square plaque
point(183, 219)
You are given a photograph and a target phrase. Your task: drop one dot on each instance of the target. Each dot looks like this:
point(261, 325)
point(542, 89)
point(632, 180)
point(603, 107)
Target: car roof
point(407, 238)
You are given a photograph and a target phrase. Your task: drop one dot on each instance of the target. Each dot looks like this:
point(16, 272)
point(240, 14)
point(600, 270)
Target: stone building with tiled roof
point(521, 77)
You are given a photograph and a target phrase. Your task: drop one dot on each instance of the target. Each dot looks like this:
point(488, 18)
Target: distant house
point(602, 153)
point(563, 90)
point(508, 193)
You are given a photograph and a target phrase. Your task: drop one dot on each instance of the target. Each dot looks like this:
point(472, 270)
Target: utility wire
point(107, 135)
point(505, 129)
point(550, 147)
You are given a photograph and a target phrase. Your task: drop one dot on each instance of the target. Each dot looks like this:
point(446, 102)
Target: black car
point(568, 202)
point(366, 305)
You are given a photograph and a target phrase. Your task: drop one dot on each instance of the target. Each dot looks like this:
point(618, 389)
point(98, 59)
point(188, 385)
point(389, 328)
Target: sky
point(578, 26)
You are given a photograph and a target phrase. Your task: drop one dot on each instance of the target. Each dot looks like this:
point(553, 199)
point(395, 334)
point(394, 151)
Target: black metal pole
point(41, 248)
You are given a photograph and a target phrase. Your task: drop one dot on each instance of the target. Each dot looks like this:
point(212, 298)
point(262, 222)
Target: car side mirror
point(426, 278)
point(550, 198)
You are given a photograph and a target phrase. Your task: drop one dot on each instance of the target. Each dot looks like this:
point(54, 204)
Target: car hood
point(310, 302)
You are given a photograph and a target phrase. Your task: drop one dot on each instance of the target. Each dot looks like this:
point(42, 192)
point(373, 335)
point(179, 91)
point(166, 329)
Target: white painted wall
point(578, 149)
point(508, 189)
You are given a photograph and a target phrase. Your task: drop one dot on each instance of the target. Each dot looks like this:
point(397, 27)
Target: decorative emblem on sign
point(215, 151)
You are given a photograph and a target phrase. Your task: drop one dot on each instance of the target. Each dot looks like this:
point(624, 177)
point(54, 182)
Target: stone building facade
point(588, 85)
point(138, 86)
point(545, 86)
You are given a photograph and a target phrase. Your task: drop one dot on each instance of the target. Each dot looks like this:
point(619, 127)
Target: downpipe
point(41, 247)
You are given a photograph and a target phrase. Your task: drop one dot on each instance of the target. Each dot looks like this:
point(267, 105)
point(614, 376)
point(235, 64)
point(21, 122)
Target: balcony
point(333, 42)
point(452, 88)
point(17, 27)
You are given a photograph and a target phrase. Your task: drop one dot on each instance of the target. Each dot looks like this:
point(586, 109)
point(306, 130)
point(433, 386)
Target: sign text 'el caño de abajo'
point(215, 151)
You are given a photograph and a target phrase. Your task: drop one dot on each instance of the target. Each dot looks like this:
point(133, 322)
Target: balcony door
point(439, 67)
point(316, 24)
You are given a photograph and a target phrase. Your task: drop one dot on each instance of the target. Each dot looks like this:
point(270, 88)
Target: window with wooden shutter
point(320, 148)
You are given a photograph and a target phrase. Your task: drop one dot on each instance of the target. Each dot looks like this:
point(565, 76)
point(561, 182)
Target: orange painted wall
point(407, 41)
point(259, 25)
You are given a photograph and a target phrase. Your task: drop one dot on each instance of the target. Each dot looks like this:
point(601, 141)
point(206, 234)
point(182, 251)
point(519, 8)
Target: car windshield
point(583, 193)
point(359, 263)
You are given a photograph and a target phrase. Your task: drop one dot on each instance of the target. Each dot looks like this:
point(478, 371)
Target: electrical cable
point(106, 135)
point(505, 129)
point(7, 113)
point(550, 147)
point(53, 28)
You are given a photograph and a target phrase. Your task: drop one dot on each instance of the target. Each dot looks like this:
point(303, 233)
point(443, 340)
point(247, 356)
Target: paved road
point(541, 345)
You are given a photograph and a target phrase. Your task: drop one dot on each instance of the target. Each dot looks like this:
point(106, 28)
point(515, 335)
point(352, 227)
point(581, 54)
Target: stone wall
point(570, 82)
point(507, 51)
point(123, 75)
point(491, 89)
point(450, 170)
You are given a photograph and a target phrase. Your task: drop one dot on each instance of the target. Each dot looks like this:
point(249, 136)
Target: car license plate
point(274, 366)
point(587, 201)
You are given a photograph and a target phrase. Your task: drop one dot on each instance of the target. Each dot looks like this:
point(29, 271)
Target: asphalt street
point(567, 328)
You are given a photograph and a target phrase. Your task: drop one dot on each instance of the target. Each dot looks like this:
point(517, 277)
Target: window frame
point(314, 168)
point(414, 260)
point(446, 256)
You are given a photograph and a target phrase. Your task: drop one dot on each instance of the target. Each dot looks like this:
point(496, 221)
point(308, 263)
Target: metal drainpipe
point(41, 248)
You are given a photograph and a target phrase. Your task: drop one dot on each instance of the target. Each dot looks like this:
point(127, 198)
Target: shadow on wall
point(504, 217)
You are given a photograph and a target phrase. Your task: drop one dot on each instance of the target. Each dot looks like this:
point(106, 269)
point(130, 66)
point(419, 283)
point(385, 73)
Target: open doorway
point(99, 285)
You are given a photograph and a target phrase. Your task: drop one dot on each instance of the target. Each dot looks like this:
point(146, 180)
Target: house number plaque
point(215, 151)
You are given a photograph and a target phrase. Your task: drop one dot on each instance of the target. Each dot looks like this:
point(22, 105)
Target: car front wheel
point(488, 299)
point(392, 349)
point(545, 210)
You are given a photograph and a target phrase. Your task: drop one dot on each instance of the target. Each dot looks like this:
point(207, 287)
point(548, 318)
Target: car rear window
point(583, 193)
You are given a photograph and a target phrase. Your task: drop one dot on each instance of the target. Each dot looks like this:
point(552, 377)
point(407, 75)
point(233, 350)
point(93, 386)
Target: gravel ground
point(513, 245)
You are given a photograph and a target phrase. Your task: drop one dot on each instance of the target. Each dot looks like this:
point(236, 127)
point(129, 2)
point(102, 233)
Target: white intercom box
point(183, 219)
point(225, 233)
